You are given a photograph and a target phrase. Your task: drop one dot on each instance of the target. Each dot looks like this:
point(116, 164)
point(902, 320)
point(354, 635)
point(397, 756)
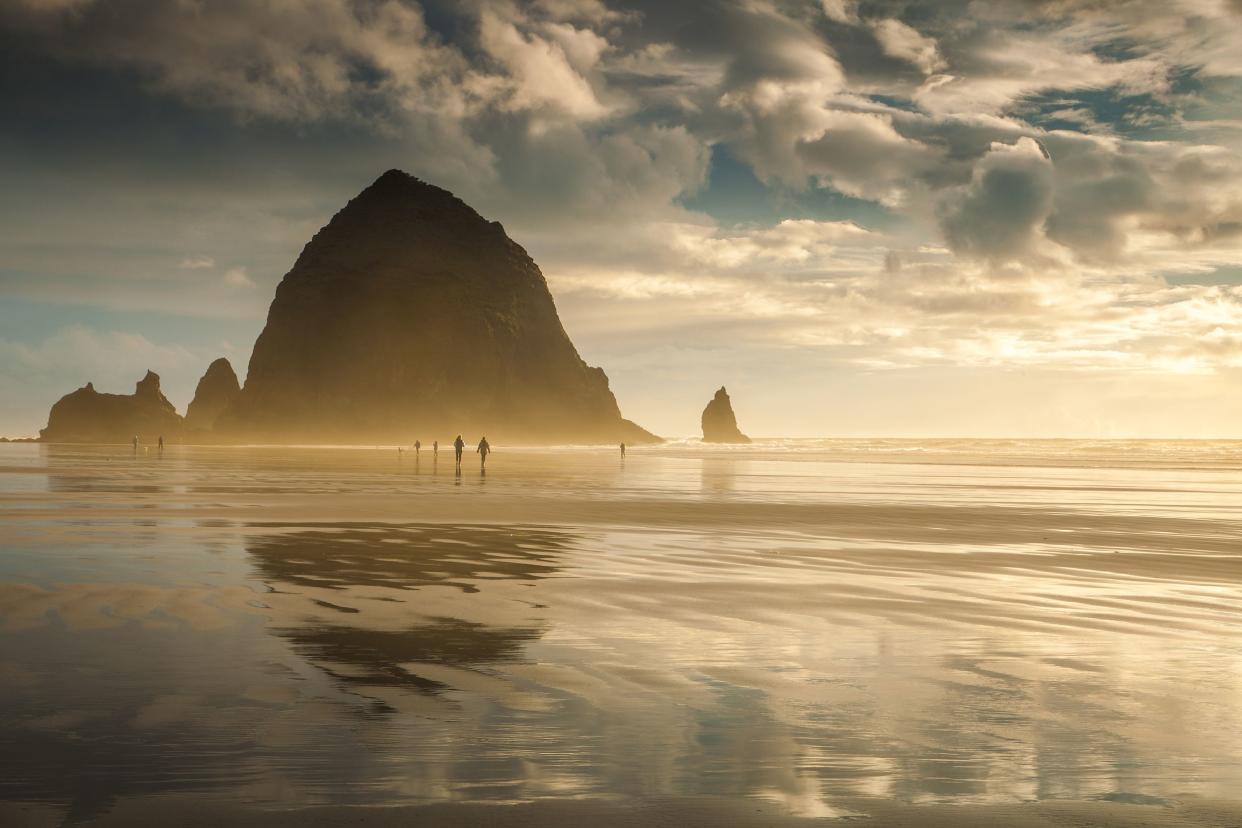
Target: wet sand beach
point(886, 632)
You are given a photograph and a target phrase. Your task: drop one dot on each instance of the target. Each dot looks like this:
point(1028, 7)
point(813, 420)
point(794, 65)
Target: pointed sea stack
point(719, 422)
point(87, 416)
point(216, 391)
point(411, 316)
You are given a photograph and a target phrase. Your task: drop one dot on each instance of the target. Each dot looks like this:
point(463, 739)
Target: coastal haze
point(723, 413)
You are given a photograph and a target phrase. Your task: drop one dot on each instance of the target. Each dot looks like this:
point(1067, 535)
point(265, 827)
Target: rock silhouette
point(87, 416)
point(719, 422)
point(411, 315)
point(216, 391)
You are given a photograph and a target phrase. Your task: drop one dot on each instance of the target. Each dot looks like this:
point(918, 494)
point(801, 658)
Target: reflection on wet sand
point(376, 657)
point(118, 712)
point(402, 558)
point(718, 475)
point(175, 693)
point(405, 556)
point(932, 645)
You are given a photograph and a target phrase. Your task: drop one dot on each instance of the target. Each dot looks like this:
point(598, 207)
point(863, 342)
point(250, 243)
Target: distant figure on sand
point(435, 449)
point(623, 449)
point(484, 449)
point(161, 442)
point(458, 445)
point(135, 442)
point(418, 446)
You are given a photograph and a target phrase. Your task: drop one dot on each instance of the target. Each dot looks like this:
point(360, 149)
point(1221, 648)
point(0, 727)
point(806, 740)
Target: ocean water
point(807, 622)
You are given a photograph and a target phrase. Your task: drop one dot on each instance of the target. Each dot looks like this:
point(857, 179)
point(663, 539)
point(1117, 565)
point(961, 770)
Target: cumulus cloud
point(906, 43)
point(861, 154)
point(545, 72)
point(589, 11)
point(1026, 182)
point(842, 11)
point(237, 277)
point(792, 241)
point(197, 263)
point(778, 84)
point(997, 69)
point(1000, 214)
point(302, 59)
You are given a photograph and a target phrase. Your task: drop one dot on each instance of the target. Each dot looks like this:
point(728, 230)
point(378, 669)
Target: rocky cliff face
point(719, 422)
point(216, 391)
point(410, 316)
point(87, 416)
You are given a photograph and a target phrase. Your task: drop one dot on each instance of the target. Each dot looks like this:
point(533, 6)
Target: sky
point(1019, 218)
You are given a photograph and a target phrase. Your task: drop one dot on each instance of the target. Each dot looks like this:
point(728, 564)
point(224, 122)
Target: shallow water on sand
point(797, 621)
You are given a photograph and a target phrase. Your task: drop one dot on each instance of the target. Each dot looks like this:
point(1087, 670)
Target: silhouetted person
point(458, 445)
point(418, 446)
point(135, 443)
point(623, 449)
point(484, 449)
point(161, 442)
point(435, 449)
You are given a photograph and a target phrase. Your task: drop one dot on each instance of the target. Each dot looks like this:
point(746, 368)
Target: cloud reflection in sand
point(920, 649)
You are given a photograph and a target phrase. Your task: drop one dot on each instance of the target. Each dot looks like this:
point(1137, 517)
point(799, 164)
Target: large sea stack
point(410, 316)
point(215, 393)
point(87, 416)
point(719, 422)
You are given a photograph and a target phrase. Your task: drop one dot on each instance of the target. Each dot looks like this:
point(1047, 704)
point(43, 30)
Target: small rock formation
point(216, 391)
point(410, 315)
point(719, 422)
point(87, 416)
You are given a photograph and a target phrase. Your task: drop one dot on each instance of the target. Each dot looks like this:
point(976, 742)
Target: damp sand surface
point(879, 632)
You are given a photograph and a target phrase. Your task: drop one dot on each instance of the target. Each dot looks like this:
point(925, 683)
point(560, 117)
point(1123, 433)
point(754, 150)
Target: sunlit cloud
point(236, 277)
point(868, 186)
point(197, 263)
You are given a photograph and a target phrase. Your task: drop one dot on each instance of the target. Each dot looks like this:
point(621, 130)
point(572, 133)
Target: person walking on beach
point(458, 445)
point(161, 443)
point(135, 443)
point(623, 449)
point(435, 449)
point(418, 447)
point(484, 449)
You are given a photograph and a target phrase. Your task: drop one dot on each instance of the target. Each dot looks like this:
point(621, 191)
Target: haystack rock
point(87, 416)
point(719, 422)
point(216, 391)
point(409, 316)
